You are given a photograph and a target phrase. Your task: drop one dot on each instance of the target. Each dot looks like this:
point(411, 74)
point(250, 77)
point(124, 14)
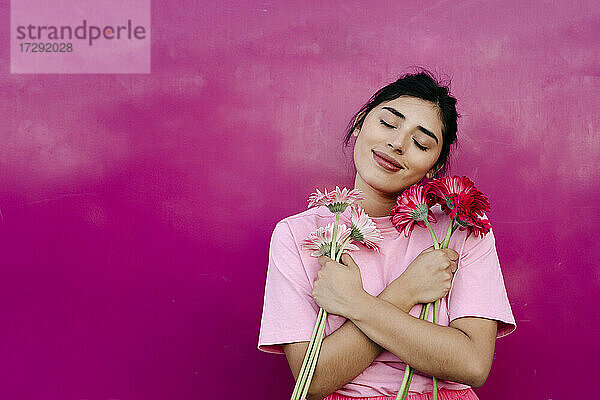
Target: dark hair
point(425, 86)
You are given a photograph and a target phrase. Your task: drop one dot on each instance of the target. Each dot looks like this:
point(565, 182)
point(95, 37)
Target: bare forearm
point(436, 350)
point(344, 355)
point(347, 352)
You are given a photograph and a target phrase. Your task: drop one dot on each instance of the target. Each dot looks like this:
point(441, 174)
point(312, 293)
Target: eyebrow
point(399, 114)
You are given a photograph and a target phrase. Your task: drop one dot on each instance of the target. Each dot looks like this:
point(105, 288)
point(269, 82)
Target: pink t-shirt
point(290, 312)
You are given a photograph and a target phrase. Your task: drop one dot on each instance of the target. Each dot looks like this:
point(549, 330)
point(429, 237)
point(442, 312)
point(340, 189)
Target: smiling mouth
point(386, 162)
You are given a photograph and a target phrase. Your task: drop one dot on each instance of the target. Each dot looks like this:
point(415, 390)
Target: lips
point(386, 161)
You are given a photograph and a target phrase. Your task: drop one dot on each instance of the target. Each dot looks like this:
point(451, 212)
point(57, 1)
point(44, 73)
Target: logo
point(80, 36)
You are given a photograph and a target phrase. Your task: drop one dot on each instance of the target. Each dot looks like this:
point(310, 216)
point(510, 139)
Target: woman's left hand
point(338, 288)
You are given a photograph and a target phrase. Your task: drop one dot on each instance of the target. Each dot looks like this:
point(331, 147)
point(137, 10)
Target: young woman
point(402, 135)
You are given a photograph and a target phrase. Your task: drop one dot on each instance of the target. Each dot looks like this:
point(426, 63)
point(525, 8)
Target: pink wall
point(137, 209)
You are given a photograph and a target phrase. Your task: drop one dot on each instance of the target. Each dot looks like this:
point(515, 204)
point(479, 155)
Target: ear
point(355, 124)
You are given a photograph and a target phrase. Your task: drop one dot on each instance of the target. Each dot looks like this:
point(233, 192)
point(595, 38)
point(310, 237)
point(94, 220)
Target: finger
point(428, 250)
point(348, 260)
point(453, 266)
point(452, 254)
point(323, 260)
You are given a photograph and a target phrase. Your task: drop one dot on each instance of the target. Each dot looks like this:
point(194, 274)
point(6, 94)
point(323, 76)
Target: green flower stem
point(404, 385)
point(455, 227)
point(315, 357)
point(436, 313)
point(334, 239)
point(427, 308)
point(408, 372)
point(436, 245)
point(305, 377)
point(449, 232)
point(410, 375)
point(341, 250)
point(436, 306)
point(300, 382)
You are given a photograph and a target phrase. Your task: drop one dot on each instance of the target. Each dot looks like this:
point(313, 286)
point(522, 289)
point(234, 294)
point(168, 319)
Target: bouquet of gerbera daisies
point(332, 240)
point(466, 207)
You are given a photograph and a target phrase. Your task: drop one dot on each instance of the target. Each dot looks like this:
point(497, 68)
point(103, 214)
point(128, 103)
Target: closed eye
point(419, 145)
point(382, 122)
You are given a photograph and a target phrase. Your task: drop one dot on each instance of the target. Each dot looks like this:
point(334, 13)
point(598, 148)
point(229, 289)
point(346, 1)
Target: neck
point(376, 203)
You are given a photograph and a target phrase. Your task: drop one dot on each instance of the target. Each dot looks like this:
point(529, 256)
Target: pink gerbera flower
point(318, 199)
point(320, 240)
point(412, 209)
point(336, 200)
point(363, 228)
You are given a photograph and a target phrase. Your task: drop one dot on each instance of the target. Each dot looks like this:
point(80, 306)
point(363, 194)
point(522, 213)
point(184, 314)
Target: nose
point(397, 143)
point(396, 149)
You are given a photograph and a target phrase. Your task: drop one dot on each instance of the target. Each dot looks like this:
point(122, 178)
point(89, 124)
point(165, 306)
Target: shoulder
point(298, 226)
point(310, 215)
point(306, 220)
point(286, 252)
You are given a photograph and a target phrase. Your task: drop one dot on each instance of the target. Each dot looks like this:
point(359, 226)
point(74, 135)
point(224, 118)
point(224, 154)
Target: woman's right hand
point(429, 276)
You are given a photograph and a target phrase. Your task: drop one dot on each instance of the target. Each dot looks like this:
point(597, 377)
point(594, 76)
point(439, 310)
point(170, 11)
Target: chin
point(384, 184)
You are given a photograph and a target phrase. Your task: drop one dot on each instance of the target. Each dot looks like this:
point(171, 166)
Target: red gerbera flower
point(479, 226)
point(459, 198)
point(412, 207)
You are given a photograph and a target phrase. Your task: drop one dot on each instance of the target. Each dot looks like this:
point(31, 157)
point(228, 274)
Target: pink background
point(137, 209)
